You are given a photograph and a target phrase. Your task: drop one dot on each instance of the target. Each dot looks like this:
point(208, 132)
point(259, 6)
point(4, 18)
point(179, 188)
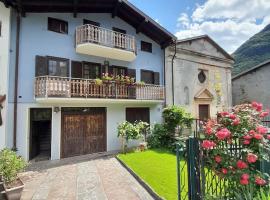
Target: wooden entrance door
point(83, 131)
point(204, 112)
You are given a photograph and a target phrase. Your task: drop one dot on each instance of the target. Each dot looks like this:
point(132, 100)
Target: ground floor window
point(138, 114)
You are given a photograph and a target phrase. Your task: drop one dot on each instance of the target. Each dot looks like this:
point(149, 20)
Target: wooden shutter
point(131, 73)
point(76, 69)
point(41, 66)
point(156, 78)
point(110, 70)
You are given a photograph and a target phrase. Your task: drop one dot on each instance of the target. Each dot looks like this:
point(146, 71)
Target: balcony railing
point(106, 37)
point(50, 86)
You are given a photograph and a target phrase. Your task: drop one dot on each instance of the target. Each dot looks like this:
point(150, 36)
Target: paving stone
point(81, 179)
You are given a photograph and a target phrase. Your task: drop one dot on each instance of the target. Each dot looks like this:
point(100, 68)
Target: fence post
point(194, 186)
point(178, 171)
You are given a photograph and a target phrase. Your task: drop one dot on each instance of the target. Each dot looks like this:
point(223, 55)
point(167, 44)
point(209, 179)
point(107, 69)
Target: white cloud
point(229, 22)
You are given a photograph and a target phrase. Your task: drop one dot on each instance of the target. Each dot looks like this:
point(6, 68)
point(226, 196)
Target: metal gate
point(196, 179)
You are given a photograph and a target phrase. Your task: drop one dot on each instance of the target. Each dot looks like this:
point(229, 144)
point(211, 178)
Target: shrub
point(241, 127)
point(176, 116)
point(10, 165)
point(159, 137)
point(127, 131)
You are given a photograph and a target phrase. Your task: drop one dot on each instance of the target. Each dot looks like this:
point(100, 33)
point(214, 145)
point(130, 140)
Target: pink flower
point(252, 132)
point(224, 114)
point(254, 104)
point(257, 136)
point(261, 130)
point(241, 164)
point(252, 158)
point(264, 114)
point(224, 170)
point(236, 122)
point(245, 176)
point(218, 159)
point(246, 142)
point(260, 181)
point(207, 144)
point(259, 107)
point(223, 134)
point(232, 116)
point(268, 137)
point(247, 137)
point(244, 181)
point(208, 130)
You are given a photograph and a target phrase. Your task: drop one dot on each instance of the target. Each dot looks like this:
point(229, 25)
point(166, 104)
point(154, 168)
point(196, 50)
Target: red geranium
point(245, 176)
point(244, 181)
point(247, 137)
point(241, 164)
point(236, 122)
point(252, 158)
point(232, 116)
point(246, 142)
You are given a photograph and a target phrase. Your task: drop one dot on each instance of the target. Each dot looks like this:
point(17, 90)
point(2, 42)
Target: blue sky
point(228, 22)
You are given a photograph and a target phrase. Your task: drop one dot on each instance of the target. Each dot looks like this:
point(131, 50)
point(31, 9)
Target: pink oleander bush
point(242, 128)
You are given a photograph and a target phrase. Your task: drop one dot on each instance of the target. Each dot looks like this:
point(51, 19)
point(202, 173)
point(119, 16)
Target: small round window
point(202, 76)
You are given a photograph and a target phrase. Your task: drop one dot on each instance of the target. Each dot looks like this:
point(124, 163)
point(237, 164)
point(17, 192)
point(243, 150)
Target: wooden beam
point(75, 8)
point(116, 7)
point(166, 43)
point(139, 28)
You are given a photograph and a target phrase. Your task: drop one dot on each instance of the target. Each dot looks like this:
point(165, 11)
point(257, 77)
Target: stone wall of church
point(189, 91)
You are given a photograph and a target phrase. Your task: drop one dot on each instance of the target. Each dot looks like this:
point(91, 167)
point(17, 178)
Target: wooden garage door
point(83, 131)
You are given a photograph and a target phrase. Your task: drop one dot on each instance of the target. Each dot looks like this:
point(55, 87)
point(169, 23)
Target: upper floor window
point(86, 21)
point(150, 77)
point(58, 66)
point(53, 66)
point(202, 76)
point(146, 46)
point(57, 25)
point(118, 71)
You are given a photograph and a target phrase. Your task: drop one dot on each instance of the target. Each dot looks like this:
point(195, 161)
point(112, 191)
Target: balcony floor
point(106, 52)
point(56, 100)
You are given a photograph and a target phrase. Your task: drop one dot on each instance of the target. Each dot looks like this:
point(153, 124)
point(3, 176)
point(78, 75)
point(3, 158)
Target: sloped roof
point(252, 69)
point(210, 40)
point(120, 8)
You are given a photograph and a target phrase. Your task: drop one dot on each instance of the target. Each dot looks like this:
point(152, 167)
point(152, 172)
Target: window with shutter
point(57, 25)
point(138, 114)
point(117, 70)
point(131, 73)
point(146, 46)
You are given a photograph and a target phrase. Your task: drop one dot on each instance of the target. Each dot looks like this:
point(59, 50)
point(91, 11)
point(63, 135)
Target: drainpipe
point(173, 72)
point(18, 27)
point(164, 76)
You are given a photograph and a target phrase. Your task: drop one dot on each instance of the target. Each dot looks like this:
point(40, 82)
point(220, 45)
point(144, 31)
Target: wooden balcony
point(97, 41)
point(59, 87)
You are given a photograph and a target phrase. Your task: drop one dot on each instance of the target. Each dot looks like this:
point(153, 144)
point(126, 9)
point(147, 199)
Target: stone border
point(142, 183)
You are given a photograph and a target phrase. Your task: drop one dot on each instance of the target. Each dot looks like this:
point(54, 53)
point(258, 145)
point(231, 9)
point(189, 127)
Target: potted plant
point(98, 81)
point(10, 166)
point(144, 129)
point(106, 78)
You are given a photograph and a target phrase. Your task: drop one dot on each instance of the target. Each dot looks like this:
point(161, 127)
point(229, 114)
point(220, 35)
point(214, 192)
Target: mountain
point(253, 52)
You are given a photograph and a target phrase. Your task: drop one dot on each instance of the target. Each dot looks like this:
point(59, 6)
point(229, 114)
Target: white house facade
point(60, 53)
point(199, 78)
point(4, 63)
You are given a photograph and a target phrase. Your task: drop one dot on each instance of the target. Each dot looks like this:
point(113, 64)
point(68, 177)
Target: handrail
point(93, 34)
point(55, 86)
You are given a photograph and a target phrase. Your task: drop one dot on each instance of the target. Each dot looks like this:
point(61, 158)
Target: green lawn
point(157, 168)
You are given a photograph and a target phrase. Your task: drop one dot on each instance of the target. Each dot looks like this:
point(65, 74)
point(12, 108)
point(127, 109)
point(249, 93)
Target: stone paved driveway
point(96, 179)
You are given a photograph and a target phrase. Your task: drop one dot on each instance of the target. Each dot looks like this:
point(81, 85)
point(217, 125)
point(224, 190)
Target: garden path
point(97, 179)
